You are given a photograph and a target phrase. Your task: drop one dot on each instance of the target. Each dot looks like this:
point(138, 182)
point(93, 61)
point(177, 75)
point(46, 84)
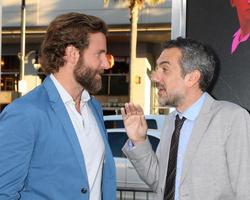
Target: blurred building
point(153, 29)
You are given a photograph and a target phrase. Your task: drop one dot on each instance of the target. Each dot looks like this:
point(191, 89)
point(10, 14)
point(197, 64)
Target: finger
point(139, 110)
point(123, 113)
point(127, 109)
point(132, 108)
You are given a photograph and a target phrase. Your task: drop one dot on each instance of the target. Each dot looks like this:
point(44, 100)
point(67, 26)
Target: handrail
point(134, 190)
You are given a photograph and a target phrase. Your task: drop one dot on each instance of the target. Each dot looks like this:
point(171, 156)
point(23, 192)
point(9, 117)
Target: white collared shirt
point(89, 137)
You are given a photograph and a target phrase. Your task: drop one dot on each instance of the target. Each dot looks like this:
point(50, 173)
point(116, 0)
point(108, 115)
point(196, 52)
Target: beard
point(168, 99)
point(90, 79)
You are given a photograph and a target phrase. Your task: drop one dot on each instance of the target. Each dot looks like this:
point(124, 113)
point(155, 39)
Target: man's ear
point(71, 55)
point(192, 78)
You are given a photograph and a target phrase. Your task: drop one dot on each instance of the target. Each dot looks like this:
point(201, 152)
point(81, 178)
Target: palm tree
point(134, 7)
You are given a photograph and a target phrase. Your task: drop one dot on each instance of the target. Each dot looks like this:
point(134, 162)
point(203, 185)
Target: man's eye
point(164, 69)
point(161, 69)
point(98, 54)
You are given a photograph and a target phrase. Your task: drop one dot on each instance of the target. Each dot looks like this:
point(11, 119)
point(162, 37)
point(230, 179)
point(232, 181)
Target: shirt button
point(84, 190)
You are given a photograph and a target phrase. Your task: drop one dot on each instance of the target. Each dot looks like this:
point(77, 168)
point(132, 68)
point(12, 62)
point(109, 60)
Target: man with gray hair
point(204, 152)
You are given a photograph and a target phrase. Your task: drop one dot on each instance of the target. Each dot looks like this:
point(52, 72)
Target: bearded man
point(52, 141)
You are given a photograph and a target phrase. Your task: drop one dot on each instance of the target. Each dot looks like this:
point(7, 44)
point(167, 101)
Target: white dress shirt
point(89, 137)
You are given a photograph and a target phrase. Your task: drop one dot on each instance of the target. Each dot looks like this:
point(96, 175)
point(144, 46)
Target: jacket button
point(84, 190)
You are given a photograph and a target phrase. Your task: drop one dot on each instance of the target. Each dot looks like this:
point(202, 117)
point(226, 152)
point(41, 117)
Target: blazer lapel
point(198, 131)
point(62, 114)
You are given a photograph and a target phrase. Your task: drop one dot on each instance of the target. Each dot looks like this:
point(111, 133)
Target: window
point(152, 124)
point(9, 72)
point(154, 141)
point(115, 81)
point(119, 85)
point(118, 139)
point(116, 142)
point(109, 124)
point(114, 85)
point(10, 63)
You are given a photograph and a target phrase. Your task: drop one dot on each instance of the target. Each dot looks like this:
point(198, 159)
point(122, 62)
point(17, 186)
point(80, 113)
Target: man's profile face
point(168, 78)
point(243, 10)
point(91, 63)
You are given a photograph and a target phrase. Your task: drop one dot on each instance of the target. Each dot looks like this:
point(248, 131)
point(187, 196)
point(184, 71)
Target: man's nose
point(108, 61)
point(154, 76)
point(105, 63)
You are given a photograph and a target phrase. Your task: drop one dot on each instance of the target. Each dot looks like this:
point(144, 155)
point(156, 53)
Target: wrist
point(138, 141)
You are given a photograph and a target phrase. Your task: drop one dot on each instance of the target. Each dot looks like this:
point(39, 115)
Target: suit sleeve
point(145, 162)
point(16, 146)
point(238, 154)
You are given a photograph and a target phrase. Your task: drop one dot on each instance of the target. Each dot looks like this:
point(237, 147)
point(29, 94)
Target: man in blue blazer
point(53, 143)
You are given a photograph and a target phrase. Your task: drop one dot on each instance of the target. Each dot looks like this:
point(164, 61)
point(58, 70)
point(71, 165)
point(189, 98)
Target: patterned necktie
point(169, 193)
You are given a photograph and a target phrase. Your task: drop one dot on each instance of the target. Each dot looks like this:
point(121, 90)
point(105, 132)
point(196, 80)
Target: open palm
point(134, 122)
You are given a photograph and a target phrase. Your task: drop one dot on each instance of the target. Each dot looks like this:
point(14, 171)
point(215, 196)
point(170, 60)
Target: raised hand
point(134, 122)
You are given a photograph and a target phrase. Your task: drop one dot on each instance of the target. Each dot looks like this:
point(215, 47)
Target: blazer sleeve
point(145, 162)
point(16, 146)
point(238, 153)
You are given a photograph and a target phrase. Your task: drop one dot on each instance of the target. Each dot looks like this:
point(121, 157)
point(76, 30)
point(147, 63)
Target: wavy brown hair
point(64, 30)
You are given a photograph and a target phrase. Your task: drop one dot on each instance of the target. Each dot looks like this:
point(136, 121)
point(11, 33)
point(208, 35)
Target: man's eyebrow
point(102, 51)
point(163, 62)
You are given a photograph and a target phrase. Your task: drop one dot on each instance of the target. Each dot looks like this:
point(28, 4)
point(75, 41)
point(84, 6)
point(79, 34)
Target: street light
point(32, 55)
point(22, 85)
point(34, 60)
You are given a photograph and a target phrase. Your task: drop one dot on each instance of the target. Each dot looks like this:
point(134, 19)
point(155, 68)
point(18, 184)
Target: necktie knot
point(179, 122)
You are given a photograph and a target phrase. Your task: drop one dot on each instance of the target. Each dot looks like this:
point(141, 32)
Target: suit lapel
point(62, 114)
point(198, 132)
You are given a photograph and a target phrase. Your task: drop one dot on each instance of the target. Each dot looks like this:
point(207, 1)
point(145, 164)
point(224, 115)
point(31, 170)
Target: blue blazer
point(40, 156)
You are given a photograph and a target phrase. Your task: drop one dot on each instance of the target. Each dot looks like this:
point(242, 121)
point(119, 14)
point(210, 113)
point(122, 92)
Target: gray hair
point(195, 56)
